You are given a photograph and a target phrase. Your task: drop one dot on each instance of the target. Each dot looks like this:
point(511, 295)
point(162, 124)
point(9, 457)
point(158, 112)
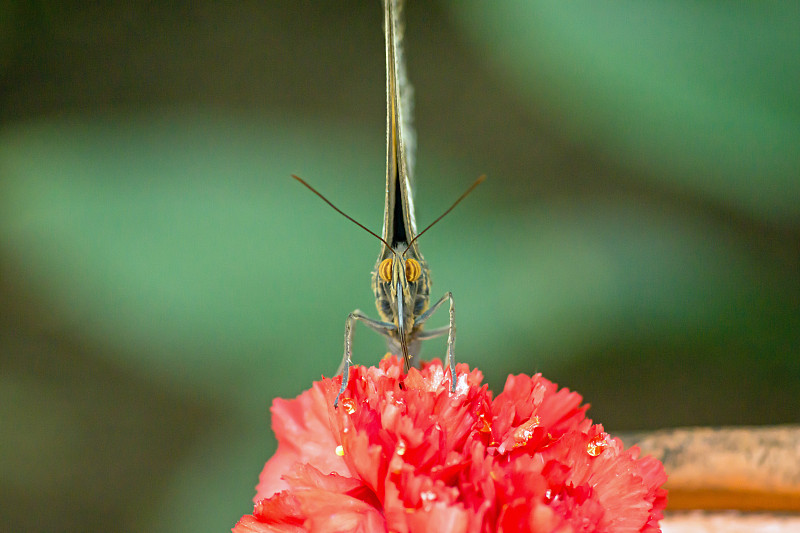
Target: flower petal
point(402, 453)
point(302, 427)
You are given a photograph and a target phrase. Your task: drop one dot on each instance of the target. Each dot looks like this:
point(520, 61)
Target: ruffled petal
point(402, 453)
point(303, 429)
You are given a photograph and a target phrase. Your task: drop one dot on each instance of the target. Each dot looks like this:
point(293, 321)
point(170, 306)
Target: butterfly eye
point(413, 270)
point(385, 270)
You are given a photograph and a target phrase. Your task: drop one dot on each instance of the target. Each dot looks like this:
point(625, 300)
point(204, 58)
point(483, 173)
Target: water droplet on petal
point(597, 445)
point(340, 450)
point(349, 405)
point(427, 496)
point(400, 449)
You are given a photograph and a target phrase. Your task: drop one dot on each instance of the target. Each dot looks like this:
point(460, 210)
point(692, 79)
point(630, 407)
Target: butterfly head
point(402, 287)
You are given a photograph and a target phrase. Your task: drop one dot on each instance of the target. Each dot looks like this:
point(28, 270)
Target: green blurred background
point(162, 278)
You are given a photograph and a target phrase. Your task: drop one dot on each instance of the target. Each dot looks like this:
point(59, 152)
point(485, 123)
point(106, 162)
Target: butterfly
point(401, 279)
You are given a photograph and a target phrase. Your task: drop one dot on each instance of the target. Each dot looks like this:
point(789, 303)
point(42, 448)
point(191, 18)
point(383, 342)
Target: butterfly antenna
point(466, 193)
point(348, 217)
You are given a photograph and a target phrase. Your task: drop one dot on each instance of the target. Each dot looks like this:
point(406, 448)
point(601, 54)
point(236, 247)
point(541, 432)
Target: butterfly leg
point(384, 328)
point(450, 361)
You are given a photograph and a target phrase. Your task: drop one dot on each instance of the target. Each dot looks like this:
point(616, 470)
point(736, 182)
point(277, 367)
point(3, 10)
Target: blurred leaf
point(178, 239)
point(702, 98)
point(184, 241)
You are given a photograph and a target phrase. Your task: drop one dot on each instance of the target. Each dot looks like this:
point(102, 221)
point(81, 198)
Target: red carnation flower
point(404, 454)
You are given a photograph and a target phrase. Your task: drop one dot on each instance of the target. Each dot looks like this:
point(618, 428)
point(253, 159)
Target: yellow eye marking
point(385, 270)
point(413, 270)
